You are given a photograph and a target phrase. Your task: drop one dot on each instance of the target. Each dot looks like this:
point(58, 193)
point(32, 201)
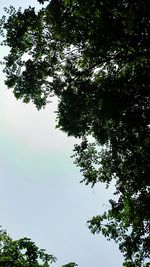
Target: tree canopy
point(24, 253)
point(94, 56)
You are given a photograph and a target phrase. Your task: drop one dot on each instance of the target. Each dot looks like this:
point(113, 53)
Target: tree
point(22, 253)
point(94, 56)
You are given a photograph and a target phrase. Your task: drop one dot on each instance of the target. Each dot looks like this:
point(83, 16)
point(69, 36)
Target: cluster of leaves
point(94, 56)
point(24, 253)
point(127, 221)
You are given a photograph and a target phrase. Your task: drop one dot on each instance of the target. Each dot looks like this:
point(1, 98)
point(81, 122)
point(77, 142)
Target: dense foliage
point(94, 56)
point(24, 253)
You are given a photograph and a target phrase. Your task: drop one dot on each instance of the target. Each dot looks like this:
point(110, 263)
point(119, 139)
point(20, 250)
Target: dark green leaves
point(95, 57)
point(22, 253)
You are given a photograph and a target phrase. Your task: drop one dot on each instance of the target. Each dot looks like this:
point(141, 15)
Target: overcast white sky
point(40, 194)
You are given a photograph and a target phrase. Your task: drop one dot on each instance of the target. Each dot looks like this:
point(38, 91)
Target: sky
point(41, 196)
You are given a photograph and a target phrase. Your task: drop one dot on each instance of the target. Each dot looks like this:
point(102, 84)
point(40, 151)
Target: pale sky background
point(40, 194)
